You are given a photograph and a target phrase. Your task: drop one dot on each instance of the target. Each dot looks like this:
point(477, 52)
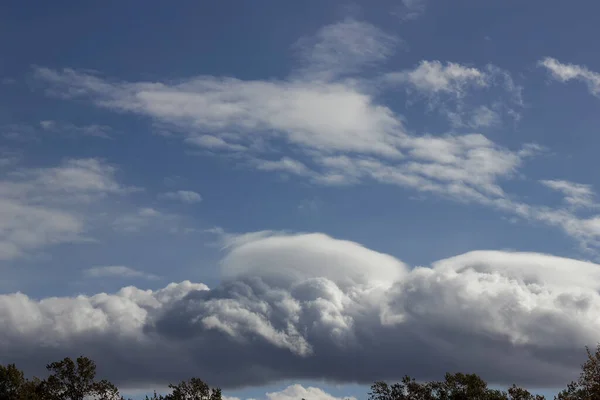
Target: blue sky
point(267, 179)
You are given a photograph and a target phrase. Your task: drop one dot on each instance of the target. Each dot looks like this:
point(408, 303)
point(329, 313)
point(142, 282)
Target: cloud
point(576, 194)
point(25, 227)
point(343, 48)
point(142, 218)
point(307, 306)
point(411, 9)
point(313, 115)
point(119, 271)
point(214, 143)
point(294, 392)
point(322, 121)
point(452, 89)
point(434, 77)
point(285, 164)
point(567, 72)
point(99, 131)
point(297, 391)
point(332, 128)
point(44, 206)
point(74, 180)
point(185, 196)
point(483, 117)
point(53, 129)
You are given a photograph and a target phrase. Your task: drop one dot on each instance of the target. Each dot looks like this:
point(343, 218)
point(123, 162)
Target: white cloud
point(344, 48)
point(45, 206)
point(309, 306)
point(73, 180)
point(576, 194)
point(8, 158)
point(119, 271)
point(250, 256)
point(25, 227)
point(140, 219)
point(320, 120)
point(185, 196)
point(318, 116)
point(567, 72)
point(412, 9)
point(285, 164)
point(295, 392)
point(449, 88)
point(480, 117)
point(62, 128)
point(336, 132)
point(214, 143)
point(434, 77)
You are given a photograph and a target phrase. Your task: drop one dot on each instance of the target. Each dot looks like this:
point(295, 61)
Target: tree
point(193, 389)
point(587, 387)
point(517, 393)
point(71, 380)
point(454, 387)
point(11, 382)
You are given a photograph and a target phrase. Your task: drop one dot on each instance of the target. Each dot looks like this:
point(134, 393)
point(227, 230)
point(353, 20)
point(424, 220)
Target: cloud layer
point(45, 206)
point(310, 306)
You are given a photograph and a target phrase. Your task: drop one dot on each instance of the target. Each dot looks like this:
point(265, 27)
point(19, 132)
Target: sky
point(296, 199)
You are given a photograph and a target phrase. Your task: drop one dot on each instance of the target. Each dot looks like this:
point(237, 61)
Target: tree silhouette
point(12, 381)
point(587, 387)
point(75, 380)
point(454, 387)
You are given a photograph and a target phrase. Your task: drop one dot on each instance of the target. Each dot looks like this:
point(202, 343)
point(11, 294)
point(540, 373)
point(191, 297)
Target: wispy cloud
point(285, 164)
point(576, 194)
point(117, 271)
point(411, 9)
point(184, 196)
point(567, 72)
point(337, 132)
point(45, 206)
point(343, 48)
point(448, 87)
point(434, 77)
point(64, 128)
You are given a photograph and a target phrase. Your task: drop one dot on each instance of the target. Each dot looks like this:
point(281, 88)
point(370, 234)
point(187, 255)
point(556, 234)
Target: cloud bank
point(302, 306)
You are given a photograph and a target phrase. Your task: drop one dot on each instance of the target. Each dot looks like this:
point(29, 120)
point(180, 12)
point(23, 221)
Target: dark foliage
point(76, 380)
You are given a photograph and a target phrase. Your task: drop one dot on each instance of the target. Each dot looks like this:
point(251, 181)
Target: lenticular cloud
point(311, 306)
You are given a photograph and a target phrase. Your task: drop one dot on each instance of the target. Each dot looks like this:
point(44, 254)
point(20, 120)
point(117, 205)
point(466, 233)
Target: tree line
point(76, 380)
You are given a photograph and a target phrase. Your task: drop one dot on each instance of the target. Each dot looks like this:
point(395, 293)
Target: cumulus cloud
point(309, 306)
point(185, 196)
point(297, 391)
point(567, 72)
point(294, 392)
